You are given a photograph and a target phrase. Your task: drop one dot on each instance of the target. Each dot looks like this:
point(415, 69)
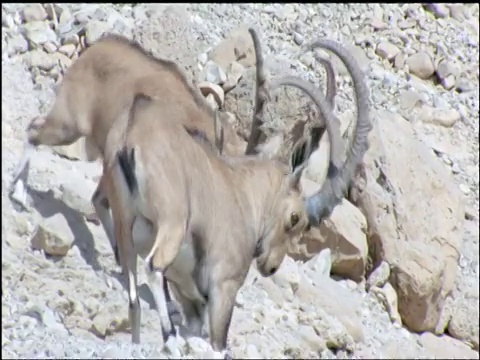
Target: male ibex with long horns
point(100, 83)
point(91, 96)
point(210, 215)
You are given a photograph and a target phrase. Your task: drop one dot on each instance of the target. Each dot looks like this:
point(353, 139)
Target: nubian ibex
point(101, 84)
point(203, 217)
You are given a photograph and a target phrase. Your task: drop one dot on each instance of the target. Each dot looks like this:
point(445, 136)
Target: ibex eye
point(294, 219)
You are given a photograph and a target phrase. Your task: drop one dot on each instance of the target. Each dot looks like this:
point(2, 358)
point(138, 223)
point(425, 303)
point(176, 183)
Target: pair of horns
point(320, 204)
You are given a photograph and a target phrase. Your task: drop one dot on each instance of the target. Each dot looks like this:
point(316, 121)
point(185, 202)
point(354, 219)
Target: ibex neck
point(259, 183)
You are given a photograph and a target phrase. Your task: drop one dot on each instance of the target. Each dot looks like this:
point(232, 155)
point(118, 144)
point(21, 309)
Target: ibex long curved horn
point(326, 112)
point(262, 91)
point(261, 95)
point(321, 204)
point(331, 83)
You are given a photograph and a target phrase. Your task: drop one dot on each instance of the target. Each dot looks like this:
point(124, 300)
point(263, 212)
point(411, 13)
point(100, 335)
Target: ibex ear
point(270, 148)
point(301, 153)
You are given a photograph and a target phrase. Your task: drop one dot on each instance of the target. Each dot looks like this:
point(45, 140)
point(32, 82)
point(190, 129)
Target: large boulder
point(415, 215)
point(446, 347)
point(344, 233)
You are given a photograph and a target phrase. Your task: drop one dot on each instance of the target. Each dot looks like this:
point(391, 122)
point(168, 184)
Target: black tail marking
point(126, 161)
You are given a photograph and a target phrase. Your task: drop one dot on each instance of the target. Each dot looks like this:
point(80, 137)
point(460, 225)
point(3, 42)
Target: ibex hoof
point(173, 343)
point(135, 334)
point(167, 335)
point(227, 355)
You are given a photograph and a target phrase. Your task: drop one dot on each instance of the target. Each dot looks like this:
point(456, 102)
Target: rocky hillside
point(394, 271)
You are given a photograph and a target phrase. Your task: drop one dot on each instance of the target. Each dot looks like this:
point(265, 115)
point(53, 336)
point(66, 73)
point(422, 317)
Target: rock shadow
point(47, 205)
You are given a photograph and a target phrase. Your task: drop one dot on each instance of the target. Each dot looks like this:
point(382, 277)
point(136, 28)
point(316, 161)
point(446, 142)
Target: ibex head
point(68, 119)
point(292, 213)
point(288, 217)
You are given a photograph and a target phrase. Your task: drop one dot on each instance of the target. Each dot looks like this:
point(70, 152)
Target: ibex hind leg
point(192, 312)
point(128, 258)
point(167, 244)
point(123, 224)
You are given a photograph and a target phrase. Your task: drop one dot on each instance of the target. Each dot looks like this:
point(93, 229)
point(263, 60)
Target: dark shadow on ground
point(47, 205)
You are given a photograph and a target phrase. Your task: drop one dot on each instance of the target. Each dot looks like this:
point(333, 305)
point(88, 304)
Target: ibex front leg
point(221, 301)
point(102, 210)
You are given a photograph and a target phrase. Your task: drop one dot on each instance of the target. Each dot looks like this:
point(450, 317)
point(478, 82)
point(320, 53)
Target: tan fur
point(102, 83)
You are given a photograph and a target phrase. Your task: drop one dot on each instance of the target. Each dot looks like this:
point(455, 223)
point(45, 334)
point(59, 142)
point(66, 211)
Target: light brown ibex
point(94, 90)
point(92, 94)
point(211, 215)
